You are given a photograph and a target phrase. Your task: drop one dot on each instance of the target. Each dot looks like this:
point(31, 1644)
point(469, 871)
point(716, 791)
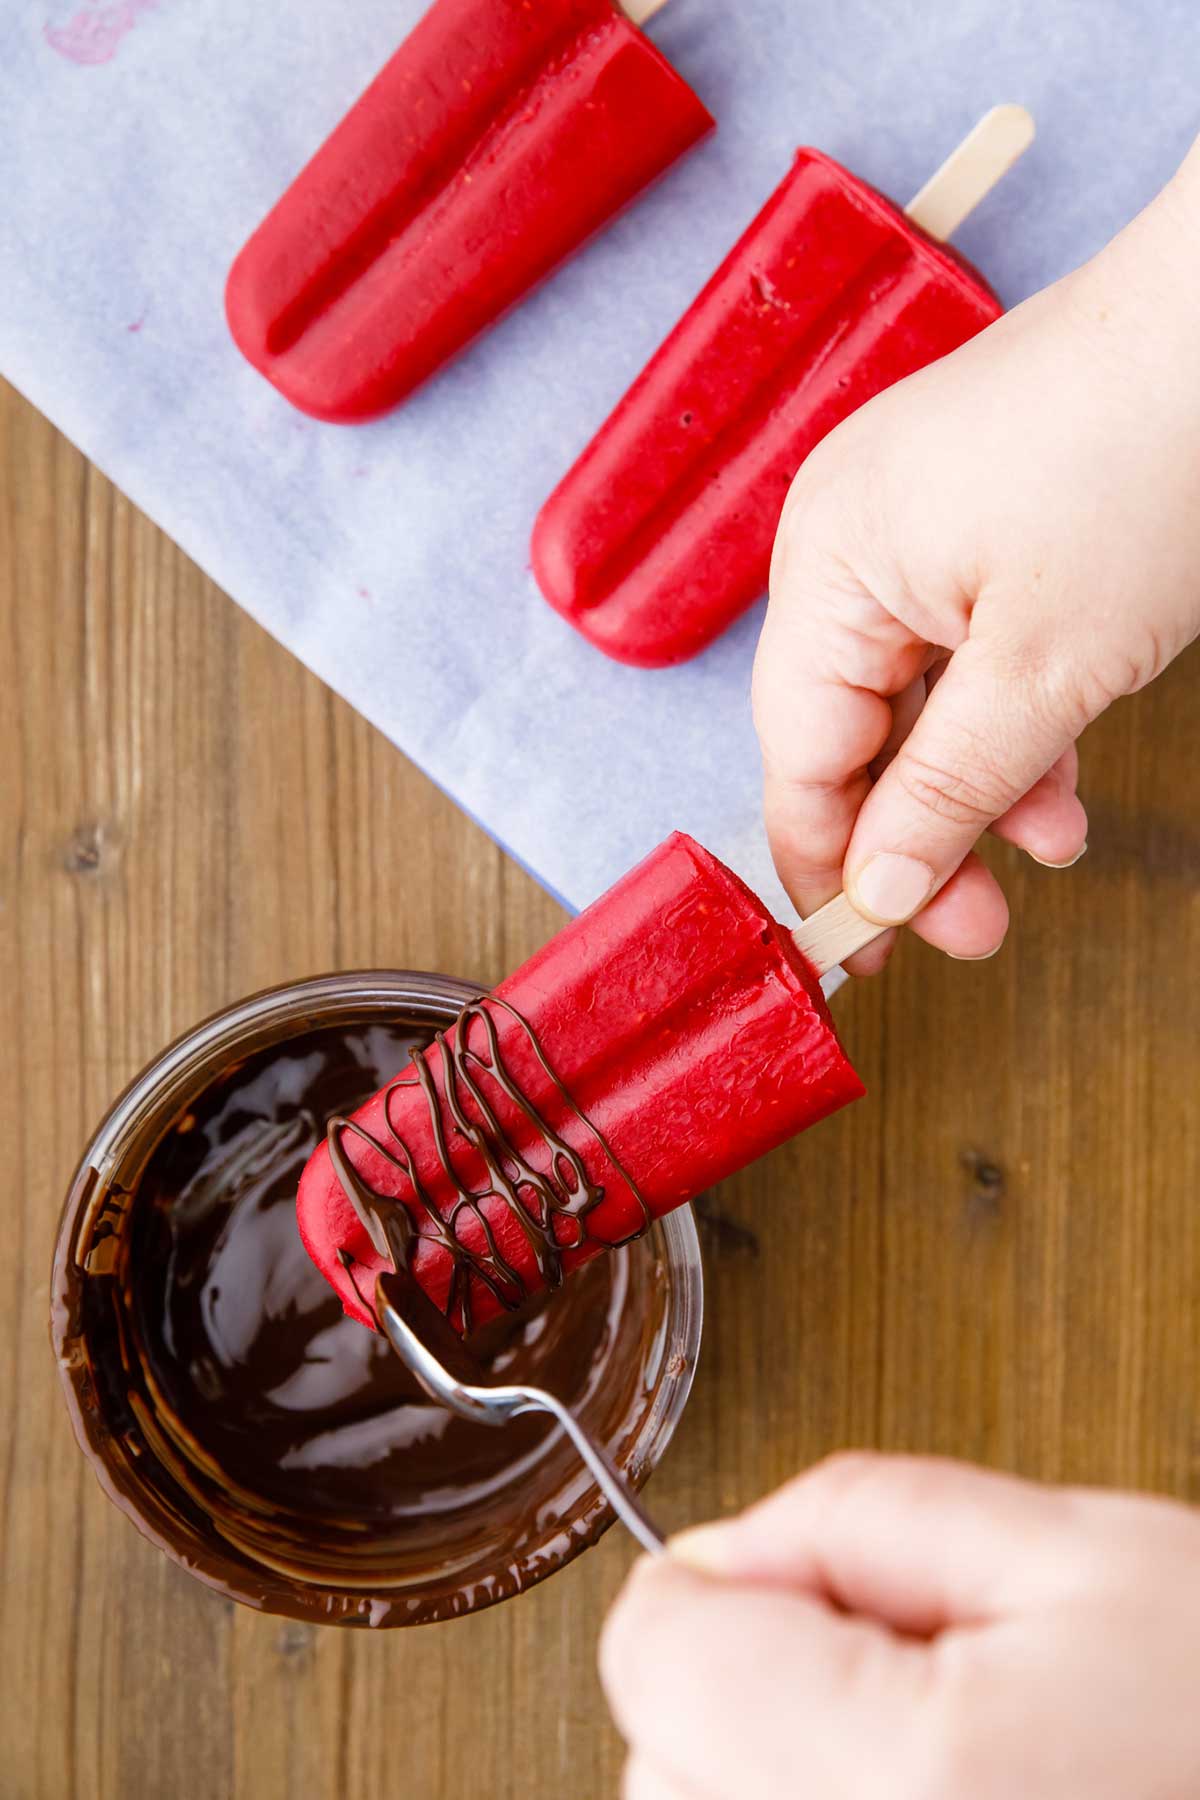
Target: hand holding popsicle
point(967, 572)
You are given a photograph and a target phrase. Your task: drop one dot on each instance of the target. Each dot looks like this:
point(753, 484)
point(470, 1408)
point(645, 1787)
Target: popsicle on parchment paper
point(499, 137)
point(660, 535)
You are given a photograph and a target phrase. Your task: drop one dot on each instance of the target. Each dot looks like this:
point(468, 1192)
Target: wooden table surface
point(996, 1255)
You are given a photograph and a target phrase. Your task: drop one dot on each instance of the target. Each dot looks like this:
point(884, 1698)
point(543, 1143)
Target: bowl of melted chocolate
point(272, 1446)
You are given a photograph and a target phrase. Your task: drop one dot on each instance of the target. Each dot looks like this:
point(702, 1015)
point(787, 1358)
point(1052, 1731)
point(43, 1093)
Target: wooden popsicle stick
point(972, 171)
point(828, 936)
point(641, 10)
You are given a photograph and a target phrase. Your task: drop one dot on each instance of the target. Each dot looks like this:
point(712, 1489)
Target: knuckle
point(1121, 1540)
point(895, 1486)
point(800, 528)
point(968, 796)
point(1071, 695)
point(816, 488)
point(1077, 693)
point(826, 523)
point(1057, 679)
point(847, 1472)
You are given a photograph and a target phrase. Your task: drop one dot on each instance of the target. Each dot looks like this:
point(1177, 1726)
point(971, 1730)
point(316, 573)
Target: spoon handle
point(495, 1406)
point(612, 1484)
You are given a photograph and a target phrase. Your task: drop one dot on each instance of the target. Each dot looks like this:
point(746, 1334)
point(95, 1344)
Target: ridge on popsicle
point(500, 136)
point(660, 534)
point(667, 1036)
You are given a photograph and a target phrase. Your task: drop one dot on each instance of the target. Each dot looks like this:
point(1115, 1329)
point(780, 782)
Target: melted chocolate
point(550, 1200)
point(247, 1342)
point(267, 1427)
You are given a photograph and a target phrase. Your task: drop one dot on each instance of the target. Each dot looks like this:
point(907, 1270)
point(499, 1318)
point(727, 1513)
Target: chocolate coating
point(548, 1199)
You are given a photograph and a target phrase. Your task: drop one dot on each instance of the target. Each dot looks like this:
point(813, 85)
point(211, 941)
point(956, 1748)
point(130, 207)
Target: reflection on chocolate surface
point(279, 1447)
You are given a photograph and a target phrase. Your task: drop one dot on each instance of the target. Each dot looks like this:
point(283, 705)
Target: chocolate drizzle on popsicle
point(536, 1196)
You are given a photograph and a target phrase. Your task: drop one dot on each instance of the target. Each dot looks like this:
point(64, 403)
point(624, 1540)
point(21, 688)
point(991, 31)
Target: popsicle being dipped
point(661, 533)
point(500, 135)
point(669, 1035)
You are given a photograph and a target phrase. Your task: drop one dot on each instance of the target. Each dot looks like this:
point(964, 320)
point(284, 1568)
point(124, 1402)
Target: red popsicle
point(666, 1037)
point(500, 135)
point(660, 535)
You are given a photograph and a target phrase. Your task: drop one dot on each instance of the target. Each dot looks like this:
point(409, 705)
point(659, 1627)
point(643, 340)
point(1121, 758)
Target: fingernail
point(1069, 864)
point(703, 1547)
point(984, 955)
point(891, 888)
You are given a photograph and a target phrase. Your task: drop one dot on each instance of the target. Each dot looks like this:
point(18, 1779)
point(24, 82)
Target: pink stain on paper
point(94, 34)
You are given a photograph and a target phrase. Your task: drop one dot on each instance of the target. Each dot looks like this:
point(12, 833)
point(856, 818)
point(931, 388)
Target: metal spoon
point(451, 1377)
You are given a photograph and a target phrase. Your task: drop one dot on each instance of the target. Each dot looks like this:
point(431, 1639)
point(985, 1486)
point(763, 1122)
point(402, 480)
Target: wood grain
point(997, 1255)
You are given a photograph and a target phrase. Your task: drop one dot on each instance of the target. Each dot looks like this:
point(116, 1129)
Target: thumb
point(985, 736)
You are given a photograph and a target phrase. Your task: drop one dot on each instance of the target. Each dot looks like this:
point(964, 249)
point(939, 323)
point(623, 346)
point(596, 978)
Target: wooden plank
point(997, 1255)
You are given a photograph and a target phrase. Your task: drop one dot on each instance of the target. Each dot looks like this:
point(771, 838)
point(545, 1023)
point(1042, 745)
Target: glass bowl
point(279, 1550)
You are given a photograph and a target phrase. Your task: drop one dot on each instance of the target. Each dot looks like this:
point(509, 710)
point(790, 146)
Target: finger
point(1049, 822)
point(981, 743)
point(968, 918)
point(829, 661)
point(906, 710)
point(915, 1543)
point(742, 1690)
point(875, 958)
point(644, 1780)
point(815, 781)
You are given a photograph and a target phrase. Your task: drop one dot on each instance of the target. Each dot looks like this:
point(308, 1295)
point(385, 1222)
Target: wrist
point(1183, 192)
point(1137, 296)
